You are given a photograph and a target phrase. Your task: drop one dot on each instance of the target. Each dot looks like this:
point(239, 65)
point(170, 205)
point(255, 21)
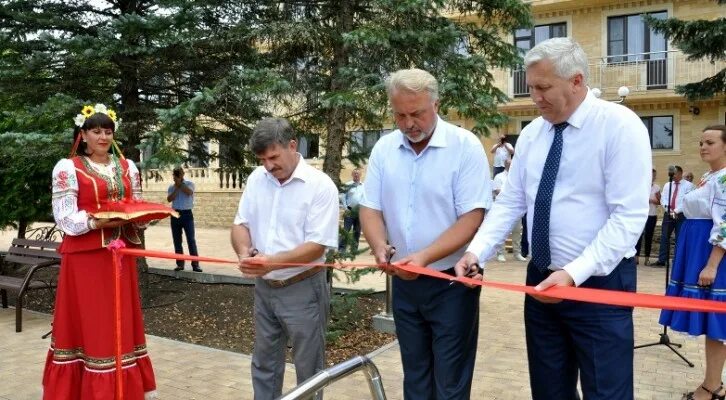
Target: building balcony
point(209, 179)
point(657, 72)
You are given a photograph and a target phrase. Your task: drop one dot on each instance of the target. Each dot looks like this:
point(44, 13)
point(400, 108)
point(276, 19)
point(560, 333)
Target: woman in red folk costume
point(81, 360)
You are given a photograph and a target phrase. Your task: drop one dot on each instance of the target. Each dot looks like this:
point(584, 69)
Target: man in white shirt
point(497, 187)
point(502, 152)
point(672, 200)
point(350, 202)
point(288, 213)
point(427, 186)
point(581, 173)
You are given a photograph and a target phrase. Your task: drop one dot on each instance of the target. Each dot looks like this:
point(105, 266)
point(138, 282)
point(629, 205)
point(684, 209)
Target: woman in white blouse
point(699, 269)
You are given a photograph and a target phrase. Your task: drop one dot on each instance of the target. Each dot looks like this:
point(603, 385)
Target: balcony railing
point(205, 179)
point(639, 72)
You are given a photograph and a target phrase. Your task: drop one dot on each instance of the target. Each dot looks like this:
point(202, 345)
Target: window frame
point(649, 127)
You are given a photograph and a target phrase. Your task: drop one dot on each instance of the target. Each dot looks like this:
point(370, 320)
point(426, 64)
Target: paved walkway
point(187, 371)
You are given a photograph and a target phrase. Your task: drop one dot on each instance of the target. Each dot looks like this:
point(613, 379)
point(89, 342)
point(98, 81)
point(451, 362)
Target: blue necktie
point(543, 203)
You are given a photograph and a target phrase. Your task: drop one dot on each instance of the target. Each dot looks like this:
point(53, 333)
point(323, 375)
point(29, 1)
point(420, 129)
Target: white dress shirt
point(352, 195)
point(282, 216)
point(665, 195)
point(422, 195)
point(653, 208)
point(600, 201)
point(499, 180)
point(502, 154)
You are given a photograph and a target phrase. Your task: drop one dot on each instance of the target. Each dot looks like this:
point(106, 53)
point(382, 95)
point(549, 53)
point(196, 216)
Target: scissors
point(470, 271)
point(389, 255)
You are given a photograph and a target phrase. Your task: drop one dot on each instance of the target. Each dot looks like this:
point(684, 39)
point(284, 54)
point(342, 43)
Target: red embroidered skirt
point(81, 360)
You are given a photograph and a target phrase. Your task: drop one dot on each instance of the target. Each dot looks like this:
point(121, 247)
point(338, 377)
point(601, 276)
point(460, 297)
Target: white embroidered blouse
point(67, 216)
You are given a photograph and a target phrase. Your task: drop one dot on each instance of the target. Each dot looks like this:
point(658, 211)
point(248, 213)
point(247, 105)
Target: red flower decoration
point(63, 180)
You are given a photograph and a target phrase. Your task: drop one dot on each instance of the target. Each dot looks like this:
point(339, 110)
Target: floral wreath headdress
point(87, 112)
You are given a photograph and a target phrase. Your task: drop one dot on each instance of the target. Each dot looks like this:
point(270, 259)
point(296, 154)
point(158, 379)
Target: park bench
point(18, 269)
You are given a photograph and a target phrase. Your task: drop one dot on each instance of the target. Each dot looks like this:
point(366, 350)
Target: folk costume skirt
point(81, 361)
point(691, 254)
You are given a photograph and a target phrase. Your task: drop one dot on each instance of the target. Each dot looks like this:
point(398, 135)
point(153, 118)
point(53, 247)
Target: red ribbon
point(612, 297)
point(115, 247)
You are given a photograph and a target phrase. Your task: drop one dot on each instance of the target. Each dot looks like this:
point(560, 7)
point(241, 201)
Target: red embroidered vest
point(93, 191)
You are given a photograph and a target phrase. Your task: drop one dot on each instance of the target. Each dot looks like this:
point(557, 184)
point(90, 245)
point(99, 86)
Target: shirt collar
point(438, 138)
point(578, 118)
point(301, 172)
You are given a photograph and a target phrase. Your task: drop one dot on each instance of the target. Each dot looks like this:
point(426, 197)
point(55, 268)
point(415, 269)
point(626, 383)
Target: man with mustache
point(426, 190)
point(288, 214)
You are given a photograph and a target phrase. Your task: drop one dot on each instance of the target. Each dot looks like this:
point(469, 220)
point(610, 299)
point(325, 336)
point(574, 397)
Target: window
point(525, 39)
point(198, 151)
point(630, 38)
point(363, 141)
point(660, 130)
point(308, 147)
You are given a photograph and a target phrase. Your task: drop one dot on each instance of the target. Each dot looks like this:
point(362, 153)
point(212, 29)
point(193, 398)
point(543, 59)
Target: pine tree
point(698, 39)
point(135, 56)
point(336, 54)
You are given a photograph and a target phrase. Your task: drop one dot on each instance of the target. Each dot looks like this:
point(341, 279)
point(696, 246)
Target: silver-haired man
point(426, 190)
point(581, 172)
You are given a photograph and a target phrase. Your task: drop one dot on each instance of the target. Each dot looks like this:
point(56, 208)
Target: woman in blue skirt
point(699, 268)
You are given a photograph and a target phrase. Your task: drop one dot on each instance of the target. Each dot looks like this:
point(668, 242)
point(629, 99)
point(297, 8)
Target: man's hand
point(381, 254)
point(254, 267)
point(557, 278)
point(463, 268)
point(416, 259)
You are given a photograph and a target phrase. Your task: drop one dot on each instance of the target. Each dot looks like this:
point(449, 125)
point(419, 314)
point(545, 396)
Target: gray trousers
point(298, 312)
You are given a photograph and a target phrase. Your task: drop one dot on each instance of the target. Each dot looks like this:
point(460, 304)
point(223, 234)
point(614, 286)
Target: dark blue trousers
point(524, 248)
point(570, 338)
point(185, 223)
point(667, 227)
point(351, 222)
point(437, 326)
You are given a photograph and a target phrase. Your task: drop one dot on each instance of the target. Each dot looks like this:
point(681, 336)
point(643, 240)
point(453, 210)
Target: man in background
point(350, 202)
point(181, 196)
point(672, 201)
point(502, 151)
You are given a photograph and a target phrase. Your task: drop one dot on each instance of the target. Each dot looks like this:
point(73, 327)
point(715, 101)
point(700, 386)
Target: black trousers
point(647, 236)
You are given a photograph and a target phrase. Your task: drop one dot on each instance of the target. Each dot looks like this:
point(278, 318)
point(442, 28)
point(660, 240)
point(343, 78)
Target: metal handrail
point(315, 384)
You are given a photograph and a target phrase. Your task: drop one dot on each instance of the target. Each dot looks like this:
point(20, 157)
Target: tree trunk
point(337, 117)
point(22, 227)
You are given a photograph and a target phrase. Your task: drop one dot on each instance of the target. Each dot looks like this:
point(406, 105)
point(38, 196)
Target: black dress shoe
point(657, 264)
point(197, 269)
point(179, 268)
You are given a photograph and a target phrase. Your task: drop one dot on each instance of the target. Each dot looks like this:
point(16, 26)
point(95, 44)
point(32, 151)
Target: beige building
point(623, 53)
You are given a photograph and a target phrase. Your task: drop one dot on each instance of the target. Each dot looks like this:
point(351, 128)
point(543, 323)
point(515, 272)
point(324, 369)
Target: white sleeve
point(135, 178)
point(374, 178)
point(69, 219)
point(244, 208)
point(510, 206)
point(627, 186)
point(321, 222)
point(717, 188)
